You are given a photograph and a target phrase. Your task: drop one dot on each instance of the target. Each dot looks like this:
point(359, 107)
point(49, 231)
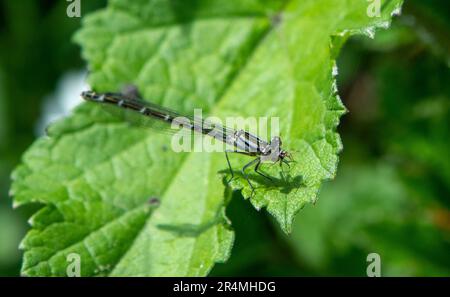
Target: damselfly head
point(286, 155)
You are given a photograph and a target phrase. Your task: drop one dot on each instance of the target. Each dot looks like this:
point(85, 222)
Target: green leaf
point(95, 175)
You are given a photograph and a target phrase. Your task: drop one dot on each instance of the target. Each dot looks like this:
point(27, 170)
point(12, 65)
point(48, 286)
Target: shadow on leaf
point(192, 230)
point(286, 183)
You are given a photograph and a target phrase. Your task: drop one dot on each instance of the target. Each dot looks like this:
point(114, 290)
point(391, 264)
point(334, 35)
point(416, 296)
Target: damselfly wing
point(145, 113)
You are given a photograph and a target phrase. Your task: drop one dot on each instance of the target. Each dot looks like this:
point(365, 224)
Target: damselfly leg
point(256, 161)
point(260, 172)
point(229, 165)
point(245, 174)
point(228, 161)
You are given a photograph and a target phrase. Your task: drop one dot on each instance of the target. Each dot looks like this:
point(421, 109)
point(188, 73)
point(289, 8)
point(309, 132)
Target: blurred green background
point(392, 192)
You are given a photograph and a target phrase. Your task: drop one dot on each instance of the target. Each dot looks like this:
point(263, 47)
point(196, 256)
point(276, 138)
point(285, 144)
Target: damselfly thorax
point(242, 141)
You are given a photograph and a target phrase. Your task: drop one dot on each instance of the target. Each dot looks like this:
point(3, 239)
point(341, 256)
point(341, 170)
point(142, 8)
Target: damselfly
point(242, 141)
